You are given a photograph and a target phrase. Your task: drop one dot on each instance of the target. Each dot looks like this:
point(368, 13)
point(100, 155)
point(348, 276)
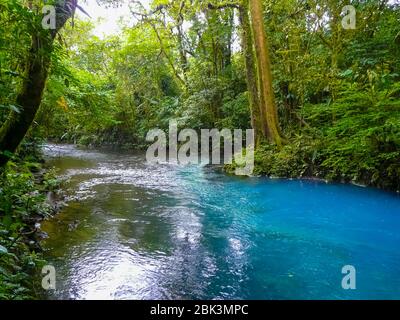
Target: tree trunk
point(182, 54)
point(260, 130)
point(17, 124)
point(228, 19)
point(267, 97)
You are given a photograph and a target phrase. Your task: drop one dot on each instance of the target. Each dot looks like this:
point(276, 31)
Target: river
point(133, 230)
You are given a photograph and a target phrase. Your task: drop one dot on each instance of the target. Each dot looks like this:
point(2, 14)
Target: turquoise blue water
point(139, 231)
point(294, 237)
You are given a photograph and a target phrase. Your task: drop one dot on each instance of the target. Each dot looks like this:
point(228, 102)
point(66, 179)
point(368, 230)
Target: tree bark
point(227, 45)
point(260, 130)
point(267, 96)
point(29, 98)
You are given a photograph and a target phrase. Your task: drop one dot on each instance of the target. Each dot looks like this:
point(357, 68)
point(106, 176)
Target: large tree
point(29, 97)
point(259, 126)
point(268, 107)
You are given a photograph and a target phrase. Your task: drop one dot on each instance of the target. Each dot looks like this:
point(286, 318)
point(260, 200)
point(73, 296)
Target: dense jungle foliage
point(336, 91)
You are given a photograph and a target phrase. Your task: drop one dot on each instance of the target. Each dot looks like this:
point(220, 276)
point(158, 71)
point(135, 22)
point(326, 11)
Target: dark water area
point(133, 230)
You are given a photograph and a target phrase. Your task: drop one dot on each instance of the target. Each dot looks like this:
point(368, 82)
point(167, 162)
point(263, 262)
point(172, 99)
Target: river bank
point(29, 193)
point(313, 159)
point(302, 157)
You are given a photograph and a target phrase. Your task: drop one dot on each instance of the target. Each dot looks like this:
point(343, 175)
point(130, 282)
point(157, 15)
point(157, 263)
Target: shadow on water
point(132, 230)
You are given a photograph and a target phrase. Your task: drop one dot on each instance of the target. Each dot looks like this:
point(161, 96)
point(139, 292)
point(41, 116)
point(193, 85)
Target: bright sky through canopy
point(106, 19)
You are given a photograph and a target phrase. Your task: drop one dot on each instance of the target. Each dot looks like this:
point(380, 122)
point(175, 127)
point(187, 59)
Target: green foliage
point(295, 159)
point(22, 204)
point(361, 134)
point(356, 138)
point(236, 112)
point(16, 27)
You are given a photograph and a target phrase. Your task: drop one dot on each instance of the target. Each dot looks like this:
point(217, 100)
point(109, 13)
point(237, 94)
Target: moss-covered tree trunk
point(259, 126)
point(267, 97)
point(29, 98)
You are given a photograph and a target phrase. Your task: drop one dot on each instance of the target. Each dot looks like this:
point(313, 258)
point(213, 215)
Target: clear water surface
point(132, 230)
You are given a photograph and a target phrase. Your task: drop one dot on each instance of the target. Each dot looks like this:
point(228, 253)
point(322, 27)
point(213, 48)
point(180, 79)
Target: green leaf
point(14, 108)
point(11, 107)
point(346, 73)
point(3, 250)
